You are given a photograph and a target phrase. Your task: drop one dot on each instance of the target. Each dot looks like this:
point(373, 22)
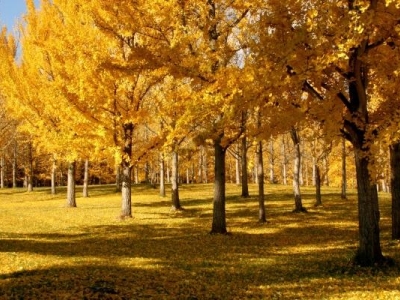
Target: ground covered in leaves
point(50, 252)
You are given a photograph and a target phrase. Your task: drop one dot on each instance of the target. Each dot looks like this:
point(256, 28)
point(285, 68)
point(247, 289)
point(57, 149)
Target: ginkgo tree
point(335, 64)
point(107, 97)
point(195, 40)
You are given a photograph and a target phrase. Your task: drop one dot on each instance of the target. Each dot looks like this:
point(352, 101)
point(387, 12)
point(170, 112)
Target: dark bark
point(296, 172)
point(219, 218)
point(126, 188)
point(369, 252)
point(318, 199)
point(176, 204)
point(343, 194)
point(85, 192)
point(162, 175)
point(71, 200)
point(260, 179)
point(245, 176)
point(395, 188)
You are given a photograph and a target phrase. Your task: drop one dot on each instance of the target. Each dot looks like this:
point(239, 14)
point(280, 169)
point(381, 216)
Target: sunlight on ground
point(49, 251)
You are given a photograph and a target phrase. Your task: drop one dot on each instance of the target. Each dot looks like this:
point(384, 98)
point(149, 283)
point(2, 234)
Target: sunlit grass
point(49, 251)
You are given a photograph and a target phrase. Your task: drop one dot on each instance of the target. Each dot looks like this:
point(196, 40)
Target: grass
point(48, 251)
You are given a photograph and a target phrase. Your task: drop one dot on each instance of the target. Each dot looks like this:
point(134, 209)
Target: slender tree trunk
point(245, 175)
point(255, 171)
point(162, 175)
point(192, 175)
point(343, 194)
point(136, 171)
point(296, 171)
point(301, 180)
point(271, 162)
point(53, 176)
point(237, 163)
point(200, 170)
point(395, 188)
point(284, 161)
point(318, 199)
point(168, 173)
point(176, 204)
point(147, 172)
point(71, 200)
point(219, 219)
point(85, 191)
point(29, 171)
point(260, 174)
point(126, 189)
point(306, 172)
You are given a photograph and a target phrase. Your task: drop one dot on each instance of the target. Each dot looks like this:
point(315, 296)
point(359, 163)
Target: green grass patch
point(48, 251)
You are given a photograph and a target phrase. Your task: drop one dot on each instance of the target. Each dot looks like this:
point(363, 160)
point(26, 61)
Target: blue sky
point(11, 11)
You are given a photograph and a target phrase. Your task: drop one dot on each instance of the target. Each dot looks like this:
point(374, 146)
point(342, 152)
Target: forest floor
point(48, 251)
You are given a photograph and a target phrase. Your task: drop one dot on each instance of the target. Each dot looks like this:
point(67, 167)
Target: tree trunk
point(260, 179)
point(296, 172)
point(237, 164)
point(176, 205)
point(200, 171)
point(343, 194)
point(126, 188)
point(369, 251)
point(85, 192)
point(314, 160)
point(271, 162)
point(219, 219)
point(168, 174)
point(53, 176)
point(318, 200)
point(136, 174)
point(71, 200)
point(284, 161)
point(162, 175)
point(245, 175)
point(29, 171)
point(395, 188)
point(306, 172)
point(147, 172)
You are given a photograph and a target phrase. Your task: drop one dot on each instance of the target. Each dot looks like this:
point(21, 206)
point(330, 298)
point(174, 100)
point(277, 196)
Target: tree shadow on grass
point(181, 266)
